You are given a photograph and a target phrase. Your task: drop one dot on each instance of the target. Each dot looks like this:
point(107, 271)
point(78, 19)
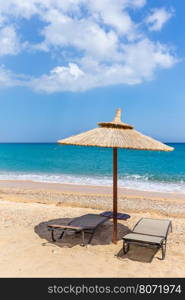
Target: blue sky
point(66, 65)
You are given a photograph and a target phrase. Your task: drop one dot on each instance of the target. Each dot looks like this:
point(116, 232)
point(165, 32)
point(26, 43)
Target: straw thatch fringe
point(116, 138)
point(116, 134)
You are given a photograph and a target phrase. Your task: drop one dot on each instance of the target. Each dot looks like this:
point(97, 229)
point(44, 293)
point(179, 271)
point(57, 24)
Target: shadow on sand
point(139, 253)
point(102, 236)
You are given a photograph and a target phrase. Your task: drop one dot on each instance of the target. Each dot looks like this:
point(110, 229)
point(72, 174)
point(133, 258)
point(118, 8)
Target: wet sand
point(89, 189)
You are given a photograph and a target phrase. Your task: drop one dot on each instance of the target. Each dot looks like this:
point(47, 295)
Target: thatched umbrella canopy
point(115, 134)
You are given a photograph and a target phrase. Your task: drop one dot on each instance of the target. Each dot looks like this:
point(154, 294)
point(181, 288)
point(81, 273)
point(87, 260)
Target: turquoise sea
point(143, 170)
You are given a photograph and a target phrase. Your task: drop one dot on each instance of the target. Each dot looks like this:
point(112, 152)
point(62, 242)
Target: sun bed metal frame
point(76, 229)
point(162, 244)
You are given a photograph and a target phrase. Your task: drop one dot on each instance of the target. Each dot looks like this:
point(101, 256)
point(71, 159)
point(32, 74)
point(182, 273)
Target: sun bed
point(85, 224)
point(149, 232)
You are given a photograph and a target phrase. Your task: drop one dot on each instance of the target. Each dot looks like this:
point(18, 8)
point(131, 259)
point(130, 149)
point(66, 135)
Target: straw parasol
point(115, 134)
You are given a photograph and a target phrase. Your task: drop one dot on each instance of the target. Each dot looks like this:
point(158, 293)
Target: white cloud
point(9, 79)
point(20, 8)
point(158, 18)
point(9, 42)
point(145, 57)
point(98, 40)
point(60, 79)
point(82, 34)
point(113, 13)
point(2, 19)
point(138, 3)
point(139, 62)
point(5, 77)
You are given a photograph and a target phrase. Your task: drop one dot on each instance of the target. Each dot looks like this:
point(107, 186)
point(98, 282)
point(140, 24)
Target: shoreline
point(91, 189)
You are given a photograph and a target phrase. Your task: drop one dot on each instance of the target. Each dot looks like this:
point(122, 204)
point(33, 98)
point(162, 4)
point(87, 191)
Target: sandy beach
point(27, 251)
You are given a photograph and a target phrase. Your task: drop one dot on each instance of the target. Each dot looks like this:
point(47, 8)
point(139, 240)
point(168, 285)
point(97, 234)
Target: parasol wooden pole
point(115, 193)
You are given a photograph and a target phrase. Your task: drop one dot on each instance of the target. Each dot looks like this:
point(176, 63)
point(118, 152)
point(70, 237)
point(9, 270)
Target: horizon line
point(57, 142)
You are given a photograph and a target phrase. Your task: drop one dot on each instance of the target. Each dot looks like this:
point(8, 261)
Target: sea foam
point(134, 181)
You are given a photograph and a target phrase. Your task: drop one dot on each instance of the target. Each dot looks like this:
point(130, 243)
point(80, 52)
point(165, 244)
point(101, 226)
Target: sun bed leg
point(52, 236)
point(125, 247)
point(83, 239)
point(171, 226)
point(91, 237)
point(62, 234)
point(163, 248)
